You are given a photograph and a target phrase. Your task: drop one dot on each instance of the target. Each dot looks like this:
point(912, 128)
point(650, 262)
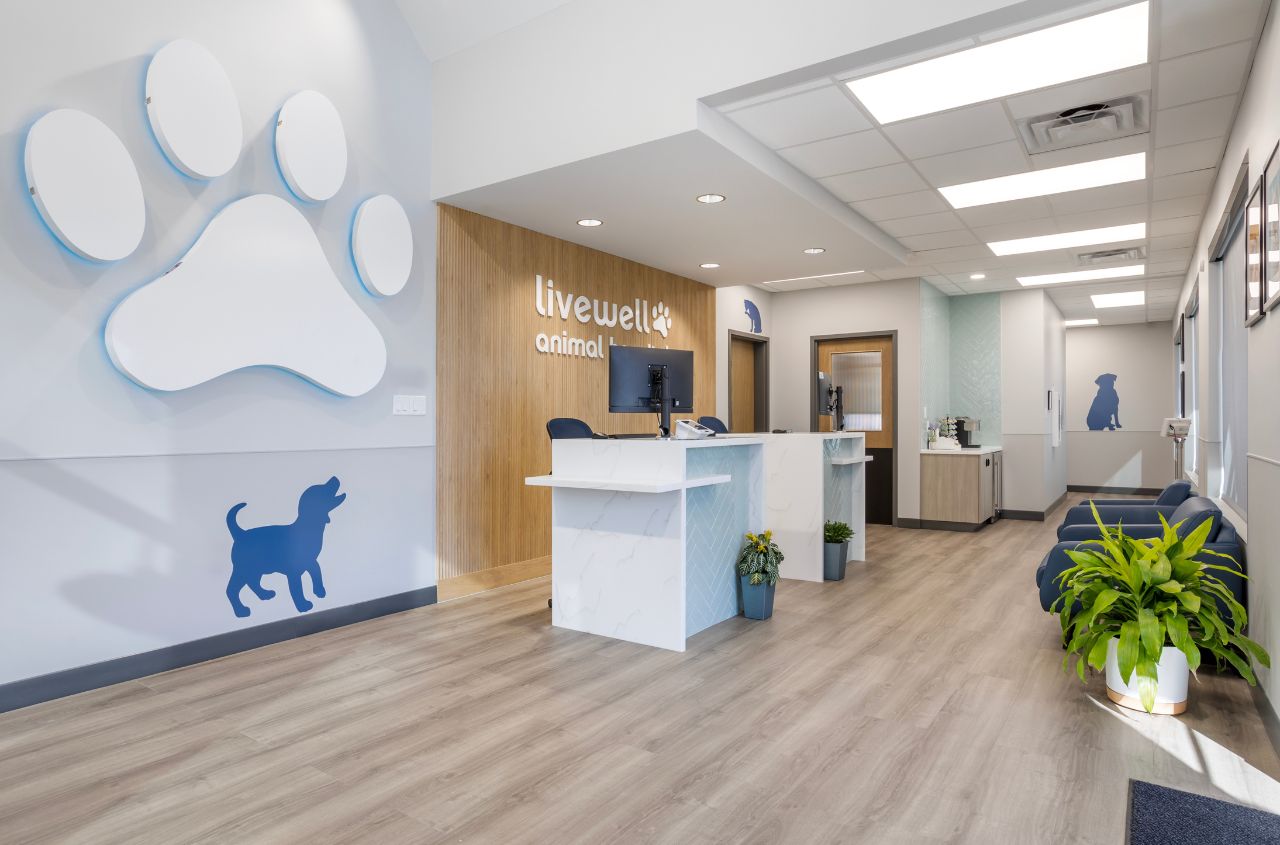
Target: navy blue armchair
point(714, 424)
point(1138, 520)
point(568, 428)
point(1171, 496)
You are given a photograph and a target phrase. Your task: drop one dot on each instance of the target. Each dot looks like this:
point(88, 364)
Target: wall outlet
point(408, 406)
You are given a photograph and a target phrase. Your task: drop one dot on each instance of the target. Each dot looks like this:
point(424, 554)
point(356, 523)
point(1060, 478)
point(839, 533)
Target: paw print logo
point(661, 319)
point(256, 288)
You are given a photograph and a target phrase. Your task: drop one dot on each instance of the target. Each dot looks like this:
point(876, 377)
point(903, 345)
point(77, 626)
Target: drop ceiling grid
point(948, 244)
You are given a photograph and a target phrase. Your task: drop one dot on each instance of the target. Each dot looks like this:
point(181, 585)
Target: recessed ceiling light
point(1115, 40)
point(1063, 240)
point(590, 221)
point(710, 199)
point(1075, 324)
point(1052, 180)
point(823, 276)
point(1119, 300)
point(710, 265)
point(1084, 275)
point(977, 277)
point(814, 250)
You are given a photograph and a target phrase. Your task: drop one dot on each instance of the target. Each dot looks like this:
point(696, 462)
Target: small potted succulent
point(835, 554)
point(1146, 611)
point(758, 571)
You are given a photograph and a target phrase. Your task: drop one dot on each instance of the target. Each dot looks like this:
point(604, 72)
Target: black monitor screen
point(630, 384)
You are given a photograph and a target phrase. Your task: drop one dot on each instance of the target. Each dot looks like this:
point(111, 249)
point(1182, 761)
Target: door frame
point(892, 334)
point(761, 348)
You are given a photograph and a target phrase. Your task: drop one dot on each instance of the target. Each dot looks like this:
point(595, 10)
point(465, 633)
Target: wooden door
point(875, 418)
point(742, 386)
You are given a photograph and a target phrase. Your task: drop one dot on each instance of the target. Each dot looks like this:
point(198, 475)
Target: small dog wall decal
point(753, 314)
point(289, 549)
point(1104, 413)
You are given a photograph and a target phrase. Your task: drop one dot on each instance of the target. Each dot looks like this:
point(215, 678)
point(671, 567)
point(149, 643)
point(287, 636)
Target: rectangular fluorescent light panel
point(1064, 240)
point(1052, 180)
point(1073, 324)
point(1093, 275)
point(1086, 47)
point(1119, 300)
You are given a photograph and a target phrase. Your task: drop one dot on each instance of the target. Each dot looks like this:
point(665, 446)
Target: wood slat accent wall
point(496, 391)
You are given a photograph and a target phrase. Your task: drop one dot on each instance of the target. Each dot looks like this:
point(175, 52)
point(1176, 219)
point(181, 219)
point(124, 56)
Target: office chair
point(714, 424)
point(568, 428)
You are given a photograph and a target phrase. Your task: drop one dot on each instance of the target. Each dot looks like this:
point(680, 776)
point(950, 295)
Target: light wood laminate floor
point(920, 700)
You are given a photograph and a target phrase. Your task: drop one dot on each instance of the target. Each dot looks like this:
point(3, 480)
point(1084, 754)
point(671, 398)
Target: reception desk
point(645, 534)
point(812, 477)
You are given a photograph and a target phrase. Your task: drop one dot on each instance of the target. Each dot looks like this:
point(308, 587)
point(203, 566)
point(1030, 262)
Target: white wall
point(113, 498)
point(731, 314)
point(871, 307)
point(1031, 358)
point(1135, 455)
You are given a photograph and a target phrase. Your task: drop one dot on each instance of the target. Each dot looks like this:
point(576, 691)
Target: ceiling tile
point(943, 221)
point(1190, 25)
point(1173, 226)
point(859, 151)
point(956, 253)
point(1017, 229)
point(1091, 152)
point(1199, 76)
point(1166, 266)
point(1180, 207)
point(938, 240)
point(1182, 255)
point(1158, 245)
point(1194, 122)
point(873, 183)
point(800, 118)
point(1061, 97)
point(891, 273)
point(1193, 183)
point(973, 165)
point(1005, 212)
point(1118, 216)
point(1092, 199)
point(1183, 158)
point(903, 205)
point(975, 126)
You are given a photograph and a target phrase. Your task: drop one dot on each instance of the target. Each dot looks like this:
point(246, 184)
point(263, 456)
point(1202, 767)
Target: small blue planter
point(757, 599)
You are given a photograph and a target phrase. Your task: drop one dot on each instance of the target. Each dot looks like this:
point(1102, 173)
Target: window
point(1233, 376)
point(859, 374)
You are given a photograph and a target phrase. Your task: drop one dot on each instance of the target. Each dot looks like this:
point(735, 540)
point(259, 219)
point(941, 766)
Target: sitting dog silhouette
point(288, 549)
point(1104, 413)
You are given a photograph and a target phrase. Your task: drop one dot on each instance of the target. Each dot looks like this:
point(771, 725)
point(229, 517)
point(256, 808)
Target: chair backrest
point(1194, 511)
point(714, 424)
point(1175, 494)
point(568, 428)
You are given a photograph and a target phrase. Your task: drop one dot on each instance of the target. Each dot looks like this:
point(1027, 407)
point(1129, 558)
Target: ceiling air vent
point(1106, 256)
point(1086, 124)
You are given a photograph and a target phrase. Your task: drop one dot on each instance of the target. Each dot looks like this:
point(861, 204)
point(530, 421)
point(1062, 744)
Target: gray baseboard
point(1269, 717)
point(1124, 491)
point(943, 525)
point(1029, 516)
point(906, 522)
point(84, 678)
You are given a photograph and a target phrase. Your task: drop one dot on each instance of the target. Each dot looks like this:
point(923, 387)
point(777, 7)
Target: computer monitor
point(643, 380)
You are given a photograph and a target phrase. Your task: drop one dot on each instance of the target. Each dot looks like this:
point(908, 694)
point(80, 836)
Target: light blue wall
point(975, 362)
point(935, 355)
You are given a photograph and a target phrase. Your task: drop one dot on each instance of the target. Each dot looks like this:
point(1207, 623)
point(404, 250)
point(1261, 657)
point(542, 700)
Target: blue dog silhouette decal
point(288, 549)
point(753, 313)
point(1104, 413)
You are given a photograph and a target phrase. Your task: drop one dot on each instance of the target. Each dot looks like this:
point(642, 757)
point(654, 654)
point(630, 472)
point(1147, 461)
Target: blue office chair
point(568, 428)
point(714, 424)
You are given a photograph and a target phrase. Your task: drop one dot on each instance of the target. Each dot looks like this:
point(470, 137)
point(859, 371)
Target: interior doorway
point(748, 382)
point(865, 366)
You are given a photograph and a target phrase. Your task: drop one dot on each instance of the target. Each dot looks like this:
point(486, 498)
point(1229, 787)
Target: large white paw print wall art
point(256, 288)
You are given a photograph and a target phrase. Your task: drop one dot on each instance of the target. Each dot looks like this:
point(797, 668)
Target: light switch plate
point(409, 405)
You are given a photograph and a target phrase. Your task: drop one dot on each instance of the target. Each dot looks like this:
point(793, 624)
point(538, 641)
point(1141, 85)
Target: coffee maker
point(965, 427)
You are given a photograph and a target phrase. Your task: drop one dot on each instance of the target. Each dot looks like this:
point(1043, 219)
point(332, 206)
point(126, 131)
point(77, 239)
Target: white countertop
point(718, 440)
point(981, 450)
point(826, 435)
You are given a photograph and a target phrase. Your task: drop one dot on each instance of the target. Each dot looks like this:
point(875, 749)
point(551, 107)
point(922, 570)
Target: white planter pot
point(1171, 688)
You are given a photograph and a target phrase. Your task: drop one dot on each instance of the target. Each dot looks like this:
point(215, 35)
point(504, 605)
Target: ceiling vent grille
point(1086, 124)
point(1109, 256)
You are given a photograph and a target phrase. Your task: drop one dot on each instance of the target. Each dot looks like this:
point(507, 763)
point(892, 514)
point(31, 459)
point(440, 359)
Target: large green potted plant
point(758, 571)
point(835, 551)
point(1146, 611)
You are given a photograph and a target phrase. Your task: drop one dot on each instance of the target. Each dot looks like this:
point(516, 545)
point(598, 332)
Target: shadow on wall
point(1104, 412)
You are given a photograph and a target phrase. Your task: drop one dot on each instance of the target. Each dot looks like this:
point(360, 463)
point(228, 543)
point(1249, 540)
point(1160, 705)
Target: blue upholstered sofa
point(1140, 521)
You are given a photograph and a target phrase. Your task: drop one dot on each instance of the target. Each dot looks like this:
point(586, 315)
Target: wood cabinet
point(958, 488)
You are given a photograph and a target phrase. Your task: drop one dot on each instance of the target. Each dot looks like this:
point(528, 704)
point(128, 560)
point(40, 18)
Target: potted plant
point(835, 554)
point(1146, 611)
point(758, 571)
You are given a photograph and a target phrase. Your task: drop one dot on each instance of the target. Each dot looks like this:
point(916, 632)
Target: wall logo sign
point(1104, 412)
point(753, 314)
point(637, 316)
point(290, 550)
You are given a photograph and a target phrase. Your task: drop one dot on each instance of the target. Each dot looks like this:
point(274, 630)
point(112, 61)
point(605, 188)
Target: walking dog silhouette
point(1104, 413)
point(288, 549)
